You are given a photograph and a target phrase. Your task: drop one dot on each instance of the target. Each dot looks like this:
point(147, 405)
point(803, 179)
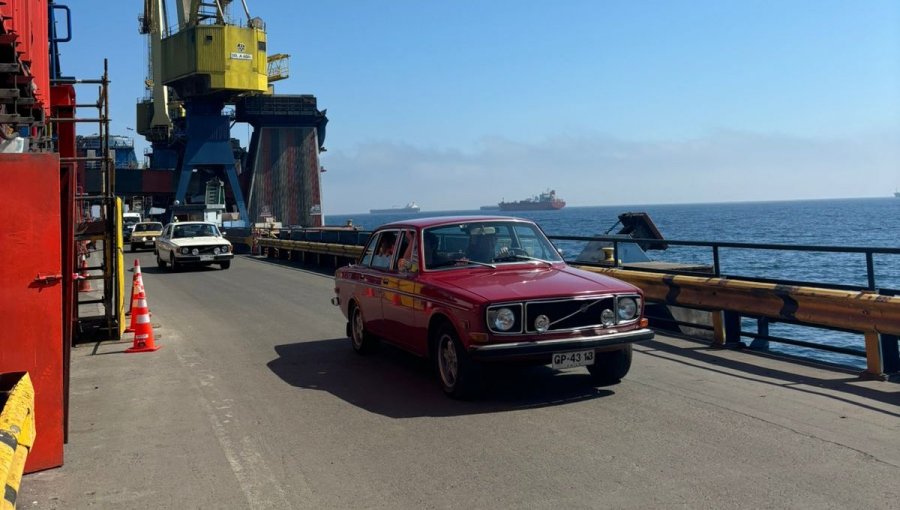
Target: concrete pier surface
point(256, 400)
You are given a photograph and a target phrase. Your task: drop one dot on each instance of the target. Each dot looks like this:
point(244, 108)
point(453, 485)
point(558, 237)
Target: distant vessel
point(411, 207)
point(897, 194)
point(490, 207)
point(546, 201)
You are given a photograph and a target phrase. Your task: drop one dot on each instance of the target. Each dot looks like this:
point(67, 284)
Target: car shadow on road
point(393, 383)
point(189, 269)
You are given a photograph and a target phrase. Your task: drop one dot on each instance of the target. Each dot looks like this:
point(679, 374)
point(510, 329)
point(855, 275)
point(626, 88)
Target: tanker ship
point(546, 201)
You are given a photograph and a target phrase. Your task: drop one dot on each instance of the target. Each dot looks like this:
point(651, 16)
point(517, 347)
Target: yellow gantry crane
point(216, 55)
point(195, 68)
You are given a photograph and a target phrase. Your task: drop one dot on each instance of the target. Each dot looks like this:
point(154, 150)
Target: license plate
point(206, 258)
point(573, 359)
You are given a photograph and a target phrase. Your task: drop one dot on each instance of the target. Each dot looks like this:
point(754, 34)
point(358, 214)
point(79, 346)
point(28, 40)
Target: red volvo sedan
point(473, 290)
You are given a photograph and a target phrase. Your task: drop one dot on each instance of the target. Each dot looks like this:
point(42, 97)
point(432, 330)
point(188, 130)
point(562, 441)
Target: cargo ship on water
point(411, 207)
point(546, 201)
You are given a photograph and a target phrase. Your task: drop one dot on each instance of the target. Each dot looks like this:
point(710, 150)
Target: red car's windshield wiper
point(462, 261)
point(516, 256)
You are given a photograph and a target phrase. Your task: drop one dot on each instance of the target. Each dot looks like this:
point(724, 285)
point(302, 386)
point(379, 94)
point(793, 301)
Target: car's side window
point(369, 253)
point(385, 250)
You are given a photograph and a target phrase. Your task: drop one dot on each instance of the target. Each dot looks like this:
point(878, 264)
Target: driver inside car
point(482, 241)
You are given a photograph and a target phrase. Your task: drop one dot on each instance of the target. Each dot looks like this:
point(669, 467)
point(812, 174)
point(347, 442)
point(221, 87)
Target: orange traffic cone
point(84, 285)
point(134, 301)
point(137, 287)
point(137, 281)
point(143, 331)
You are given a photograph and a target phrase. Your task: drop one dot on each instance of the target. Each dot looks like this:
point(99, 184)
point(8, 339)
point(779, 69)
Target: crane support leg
point(238, 194)
point(208, 135)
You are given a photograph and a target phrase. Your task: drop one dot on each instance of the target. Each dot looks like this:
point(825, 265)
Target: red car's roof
point(448, 220)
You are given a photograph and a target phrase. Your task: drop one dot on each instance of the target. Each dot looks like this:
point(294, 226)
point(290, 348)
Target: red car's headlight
point(627, 308)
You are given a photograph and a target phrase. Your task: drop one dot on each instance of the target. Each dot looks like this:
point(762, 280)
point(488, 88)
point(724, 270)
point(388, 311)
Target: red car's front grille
point(566, 314)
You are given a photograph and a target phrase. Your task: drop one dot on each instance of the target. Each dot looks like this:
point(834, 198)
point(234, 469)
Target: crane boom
point(158, 29)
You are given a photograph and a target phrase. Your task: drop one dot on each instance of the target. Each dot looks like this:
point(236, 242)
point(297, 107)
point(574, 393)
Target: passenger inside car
point(405, 252)
point(385, 250)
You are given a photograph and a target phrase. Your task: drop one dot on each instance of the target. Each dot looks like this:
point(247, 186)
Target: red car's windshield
point(486, 242)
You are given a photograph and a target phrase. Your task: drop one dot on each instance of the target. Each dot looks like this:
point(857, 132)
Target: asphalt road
point(256, 400)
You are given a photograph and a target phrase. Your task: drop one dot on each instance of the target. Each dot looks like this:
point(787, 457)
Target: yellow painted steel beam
point(718, 323)
point(14, 479)
point(866, 312)
point(845, 309)
point(340, 250)
point(17, 434)
point(874, 362)
point(278, 67)
point(120, 273)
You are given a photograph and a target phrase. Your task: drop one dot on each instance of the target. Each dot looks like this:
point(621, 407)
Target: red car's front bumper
point(538, 349)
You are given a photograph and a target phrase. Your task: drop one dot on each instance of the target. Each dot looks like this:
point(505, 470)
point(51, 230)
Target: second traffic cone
point(84, 285)
point(137, 287)
point(143, 331)
point(137, 281)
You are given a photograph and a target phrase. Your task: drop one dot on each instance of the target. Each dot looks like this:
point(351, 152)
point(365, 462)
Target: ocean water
point(873, 222)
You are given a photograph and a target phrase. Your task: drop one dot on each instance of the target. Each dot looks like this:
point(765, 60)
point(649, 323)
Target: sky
point(458, 104)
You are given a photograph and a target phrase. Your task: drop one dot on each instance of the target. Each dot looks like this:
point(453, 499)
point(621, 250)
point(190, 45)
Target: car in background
point(474, 290)
point(129, 220)
point(192, 243)
point(127, 230)
point(144, 234)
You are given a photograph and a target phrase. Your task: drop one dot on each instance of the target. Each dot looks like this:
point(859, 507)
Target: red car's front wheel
point(459, 375)
point(362, 341)
point(610, 367)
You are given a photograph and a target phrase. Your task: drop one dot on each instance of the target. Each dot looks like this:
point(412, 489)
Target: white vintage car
point(192, 242)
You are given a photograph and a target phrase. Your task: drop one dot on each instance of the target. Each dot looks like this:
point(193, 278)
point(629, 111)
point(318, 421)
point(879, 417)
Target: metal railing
point(869, 310)
point(715, 259)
